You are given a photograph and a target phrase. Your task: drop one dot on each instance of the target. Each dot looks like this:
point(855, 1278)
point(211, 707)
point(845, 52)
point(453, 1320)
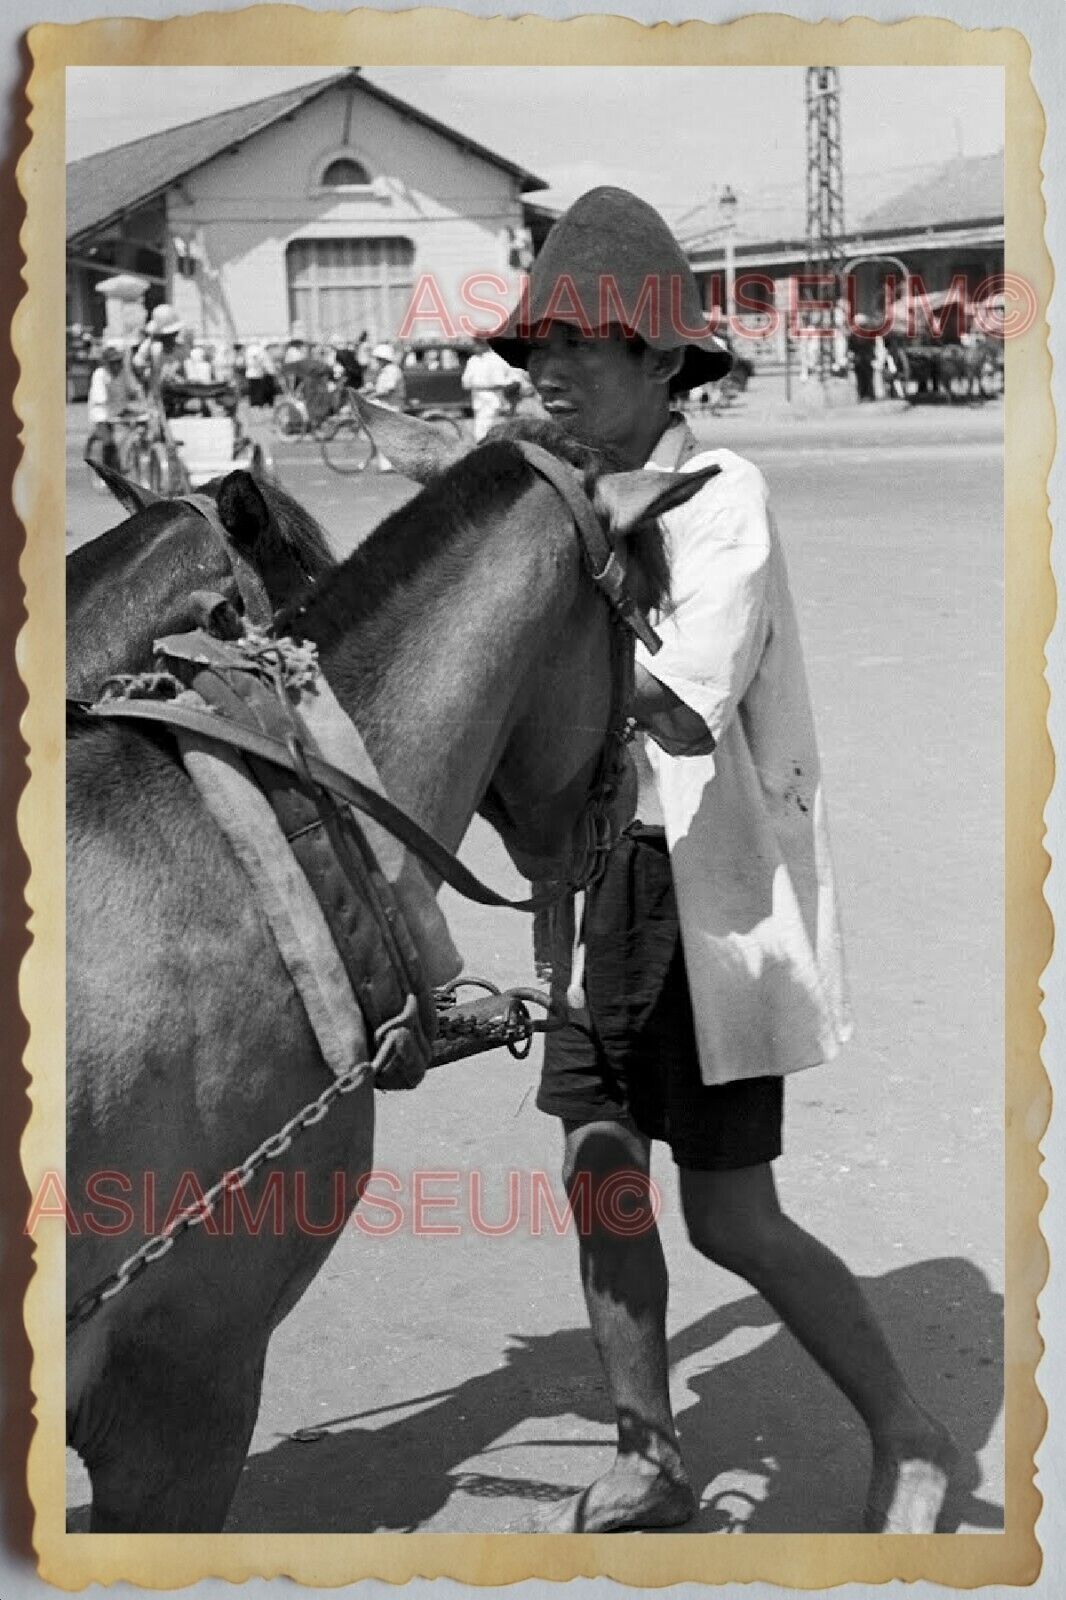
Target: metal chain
point(155, 1248)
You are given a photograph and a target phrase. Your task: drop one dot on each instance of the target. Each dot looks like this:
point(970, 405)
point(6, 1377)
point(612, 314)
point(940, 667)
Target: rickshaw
point(198, 437)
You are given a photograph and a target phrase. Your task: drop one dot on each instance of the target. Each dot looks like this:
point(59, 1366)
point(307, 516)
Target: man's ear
point(664, 364)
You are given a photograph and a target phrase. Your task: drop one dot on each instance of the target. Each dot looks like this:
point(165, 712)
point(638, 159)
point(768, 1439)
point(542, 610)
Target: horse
point(480, 665)
point(131, 585)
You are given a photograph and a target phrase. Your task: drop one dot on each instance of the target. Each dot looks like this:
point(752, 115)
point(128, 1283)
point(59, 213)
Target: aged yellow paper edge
point(272, 35)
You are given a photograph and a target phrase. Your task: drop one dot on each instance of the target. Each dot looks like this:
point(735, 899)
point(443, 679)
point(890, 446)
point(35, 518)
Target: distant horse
point(478, 661)
point(131, 585)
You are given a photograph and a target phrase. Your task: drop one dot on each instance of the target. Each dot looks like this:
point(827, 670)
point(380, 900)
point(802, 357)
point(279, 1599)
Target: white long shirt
point(746, 826)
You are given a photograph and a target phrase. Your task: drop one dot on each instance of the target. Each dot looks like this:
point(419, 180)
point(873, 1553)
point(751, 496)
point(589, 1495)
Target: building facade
point(327, 207)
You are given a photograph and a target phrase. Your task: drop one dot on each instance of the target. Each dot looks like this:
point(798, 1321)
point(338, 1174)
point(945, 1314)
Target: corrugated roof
point(102, 187)
point(964, 189)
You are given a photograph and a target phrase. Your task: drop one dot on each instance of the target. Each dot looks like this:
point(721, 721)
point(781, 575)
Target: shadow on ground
point(770, 1445)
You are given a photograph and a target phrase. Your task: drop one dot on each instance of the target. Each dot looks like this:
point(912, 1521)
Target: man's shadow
point(769, 1443)
point(772, 1446)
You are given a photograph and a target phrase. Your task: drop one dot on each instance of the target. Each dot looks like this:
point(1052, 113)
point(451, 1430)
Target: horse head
point(572, 698)
point(131, 585)
point(558, 797)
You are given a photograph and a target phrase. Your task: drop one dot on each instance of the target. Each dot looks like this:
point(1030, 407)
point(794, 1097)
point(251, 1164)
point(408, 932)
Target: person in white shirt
point(714, 963)
point(114, 393)
point(386, 377)
point(494, 389)
point(197, 366)
point(159, 360)
point(387, 388)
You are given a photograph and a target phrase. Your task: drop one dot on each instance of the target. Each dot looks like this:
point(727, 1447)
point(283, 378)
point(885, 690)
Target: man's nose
point(549, 374)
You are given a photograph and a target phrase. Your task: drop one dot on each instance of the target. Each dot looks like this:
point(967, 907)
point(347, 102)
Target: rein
point(293, 756)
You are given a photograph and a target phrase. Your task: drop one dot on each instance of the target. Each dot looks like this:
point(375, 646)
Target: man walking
point(714, 964)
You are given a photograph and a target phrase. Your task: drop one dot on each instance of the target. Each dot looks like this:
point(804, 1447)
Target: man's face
point(602, 388)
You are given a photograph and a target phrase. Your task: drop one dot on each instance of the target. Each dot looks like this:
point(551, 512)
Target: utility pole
point(825, 200)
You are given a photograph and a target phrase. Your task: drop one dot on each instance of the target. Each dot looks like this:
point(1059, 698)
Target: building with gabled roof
point(323, 205)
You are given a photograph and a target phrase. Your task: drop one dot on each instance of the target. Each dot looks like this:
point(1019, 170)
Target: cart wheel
point(160, 477)
point(346, 446)
point(290, 419)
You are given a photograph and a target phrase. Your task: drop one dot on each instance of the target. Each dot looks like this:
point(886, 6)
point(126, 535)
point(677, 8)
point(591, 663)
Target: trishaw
point(198, 435)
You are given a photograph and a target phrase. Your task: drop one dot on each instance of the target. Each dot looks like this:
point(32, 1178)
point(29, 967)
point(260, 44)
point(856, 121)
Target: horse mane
point(486, 482)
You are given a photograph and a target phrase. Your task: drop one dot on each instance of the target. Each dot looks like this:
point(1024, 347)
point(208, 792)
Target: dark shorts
point(636, 1062)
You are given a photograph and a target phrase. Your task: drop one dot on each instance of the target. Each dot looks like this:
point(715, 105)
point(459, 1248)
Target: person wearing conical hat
point(713, 953)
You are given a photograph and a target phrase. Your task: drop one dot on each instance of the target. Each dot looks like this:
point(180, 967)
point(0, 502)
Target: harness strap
point(256, 604)
point(439, 859)
point(607, 572)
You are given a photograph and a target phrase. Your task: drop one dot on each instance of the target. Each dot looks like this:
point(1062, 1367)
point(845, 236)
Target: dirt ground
point(447, 1382)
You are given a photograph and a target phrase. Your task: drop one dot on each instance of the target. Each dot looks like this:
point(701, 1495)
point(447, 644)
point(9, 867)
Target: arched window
point(344, 172)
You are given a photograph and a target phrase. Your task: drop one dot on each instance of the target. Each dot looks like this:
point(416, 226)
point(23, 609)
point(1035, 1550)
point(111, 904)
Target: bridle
point(596, 832)
point(249, 584)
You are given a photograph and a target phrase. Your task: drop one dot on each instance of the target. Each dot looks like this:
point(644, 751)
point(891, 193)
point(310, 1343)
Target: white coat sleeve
point(714, 630)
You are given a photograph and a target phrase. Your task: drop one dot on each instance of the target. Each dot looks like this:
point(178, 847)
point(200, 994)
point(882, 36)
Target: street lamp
point(727, 210)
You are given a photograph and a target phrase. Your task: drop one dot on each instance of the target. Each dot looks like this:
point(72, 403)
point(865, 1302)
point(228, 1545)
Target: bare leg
point(624, 1279)
point(734, 1219)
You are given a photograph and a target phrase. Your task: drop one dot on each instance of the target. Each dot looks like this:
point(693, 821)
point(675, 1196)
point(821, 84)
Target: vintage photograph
point(536, 827)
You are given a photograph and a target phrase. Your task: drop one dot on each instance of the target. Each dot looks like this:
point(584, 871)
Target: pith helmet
point(611, 259)
point(164, 320)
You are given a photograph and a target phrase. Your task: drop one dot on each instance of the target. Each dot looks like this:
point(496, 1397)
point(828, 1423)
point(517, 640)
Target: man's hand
point(665, 717)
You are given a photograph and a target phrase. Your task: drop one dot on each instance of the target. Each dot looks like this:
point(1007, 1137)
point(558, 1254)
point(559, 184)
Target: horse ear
point(242, 509)
point(625, 500)
point(412, 447)
point(132, 496)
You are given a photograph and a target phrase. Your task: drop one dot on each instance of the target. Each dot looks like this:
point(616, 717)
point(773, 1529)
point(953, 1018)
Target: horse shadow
point(770, 1445)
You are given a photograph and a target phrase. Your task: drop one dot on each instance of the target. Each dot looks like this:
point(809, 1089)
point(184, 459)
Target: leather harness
point(316, 803)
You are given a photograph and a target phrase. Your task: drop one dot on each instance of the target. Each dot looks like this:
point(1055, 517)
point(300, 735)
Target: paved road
point(451, 1378)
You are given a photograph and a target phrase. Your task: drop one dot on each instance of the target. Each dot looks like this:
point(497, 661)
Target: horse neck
point(435, 679)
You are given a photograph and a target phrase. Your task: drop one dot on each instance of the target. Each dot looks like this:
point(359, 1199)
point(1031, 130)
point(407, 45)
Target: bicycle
point(140, 453)
point(346, 446)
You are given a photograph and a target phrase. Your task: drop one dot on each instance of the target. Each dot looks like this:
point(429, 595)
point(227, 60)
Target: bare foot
point(910, 1482)
point(624, 1500)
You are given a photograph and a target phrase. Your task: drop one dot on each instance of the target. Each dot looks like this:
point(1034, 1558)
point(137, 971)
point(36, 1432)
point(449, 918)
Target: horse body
point(131, 585)
point(453, 638)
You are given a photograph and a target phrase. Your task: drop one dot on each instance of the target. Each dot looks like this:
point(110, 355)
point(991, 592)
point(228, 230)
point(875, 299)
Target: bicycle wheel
point(346, 446)
point(160, 475)
point(133, 457)
point(290, 419)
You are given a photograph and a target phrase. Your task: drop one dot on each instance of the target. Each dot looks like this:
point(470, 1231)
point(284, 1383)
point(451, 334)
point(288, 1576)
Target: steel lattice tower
point(825, 193)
